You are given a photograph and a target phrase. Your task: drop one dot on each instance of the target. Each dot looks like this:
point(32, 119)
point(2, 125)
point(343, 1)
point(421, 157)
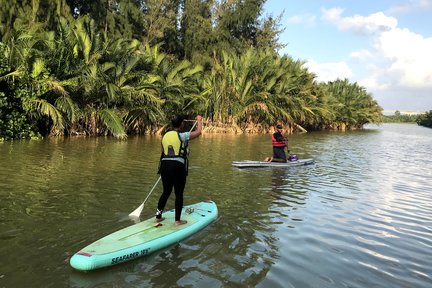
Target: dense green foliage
point(425, 119)
point(122, 67)
point(13, 120)
point(398, 117)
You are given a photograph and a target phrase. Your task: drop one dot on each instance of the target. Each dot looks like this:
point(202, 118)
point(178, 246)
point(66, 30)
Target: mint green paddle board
point(144, 238)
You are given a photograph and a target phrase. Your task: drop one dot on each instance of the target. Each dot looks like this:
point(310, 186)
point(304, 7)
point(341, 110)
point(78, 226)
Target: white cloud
point(303, 19)
point(372, 80)
point(411, 5)
point(329, 71)
point(373, 23)
point(410, 54)
point(398, 59)
point(361, 54)
point(332, 15)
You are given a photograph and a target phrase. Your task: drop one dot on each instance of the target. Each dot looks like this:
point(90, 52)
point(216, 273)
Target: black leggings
point(279, 152)
point(173, 174)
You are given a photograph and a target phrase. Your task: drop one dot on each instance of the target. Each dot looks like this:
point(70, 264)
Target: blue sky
point(384, 45)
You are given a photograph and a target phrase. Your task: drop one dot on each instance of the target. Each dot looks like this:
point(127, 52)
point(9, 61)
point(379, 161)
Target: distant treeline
point(398, 117)
point(424, 119)
point(78, 67)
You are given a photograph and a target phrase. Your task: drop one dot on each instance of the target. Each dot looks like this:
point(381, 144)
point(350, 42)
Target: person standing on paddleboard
point(280, 144)
point(174, 165)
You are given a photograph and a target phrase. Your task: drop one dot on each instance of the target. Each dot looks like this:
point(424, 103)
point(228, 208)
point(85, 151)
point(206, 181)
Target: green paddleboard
point(144, 238)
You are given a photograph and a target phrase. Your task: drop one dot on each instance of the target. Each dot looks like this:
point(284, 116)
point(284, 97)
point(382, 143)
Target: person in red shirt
point(280, 145)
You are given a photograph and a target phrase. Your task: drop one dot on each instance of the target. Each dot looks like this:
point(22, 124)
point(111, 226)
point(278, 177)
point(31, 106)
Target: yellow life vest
point(173, 146)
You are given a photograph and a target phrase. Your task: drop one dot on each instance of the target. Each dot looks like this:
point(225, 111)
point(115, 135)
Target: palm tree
point(130, 79)
point(94, 94)
point(174, 82)
point(352, 105)
point(25, 53)
point(259, 88)
point(258, 76)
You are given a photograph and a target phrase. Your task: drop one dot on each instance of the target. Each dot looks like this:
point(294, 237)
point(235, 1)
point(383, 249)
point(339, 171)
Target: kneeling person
point(279, 143)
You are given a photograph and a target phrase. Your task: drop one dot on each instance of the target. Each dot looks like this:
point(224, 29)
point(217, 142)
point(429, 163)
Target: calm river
point(361, 216)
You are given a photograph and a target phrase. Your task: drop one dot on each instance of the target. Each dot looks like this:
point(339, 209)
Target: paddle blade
point(137, 212)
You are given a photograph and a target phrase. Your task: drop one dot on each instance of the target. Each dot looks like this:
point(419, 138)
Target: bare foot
point(159, 219)
point(180, 222)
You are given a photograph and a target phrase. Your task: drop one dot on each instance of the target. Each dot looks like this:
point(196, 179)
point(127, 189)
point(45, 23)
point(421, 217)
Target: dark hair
point(279, 126)
point(177, 120)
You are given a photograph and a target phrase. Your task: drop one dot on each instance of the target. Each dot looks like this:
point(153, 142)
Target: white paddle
point(137, 212)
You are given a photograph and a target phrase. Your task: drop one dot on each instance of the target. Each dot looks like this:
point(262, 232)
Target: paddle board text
point(129, 256)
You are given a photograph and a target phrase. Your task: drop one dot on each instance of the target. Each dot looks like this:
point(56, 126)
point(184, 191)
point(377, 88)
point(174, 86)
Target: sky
point(383, 45)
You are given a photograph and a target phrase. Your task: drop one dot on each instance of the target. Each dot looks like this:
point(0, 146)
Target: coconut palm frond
point(112, 122)
point(67, 106)
point(55, 86)
point(45, 108)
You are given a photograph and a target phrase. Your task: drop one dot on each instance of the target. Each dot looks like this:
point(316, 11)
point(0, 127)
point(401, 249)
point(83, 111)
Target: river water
point(361, 216)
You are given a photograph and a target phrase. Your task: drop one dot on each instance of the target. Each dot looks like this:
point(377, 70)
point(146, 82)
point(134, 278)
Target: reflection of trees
point(74, 186)
point(41, 174)
point(52, 188)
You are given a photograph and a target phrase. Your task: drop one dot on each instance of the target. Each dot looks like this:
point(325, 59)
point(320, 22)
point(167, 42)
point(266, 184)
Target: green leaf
point(113, 122)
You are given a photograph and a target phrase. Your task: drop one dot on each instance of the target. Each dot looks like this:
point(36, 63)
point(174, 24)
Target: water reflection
point(359, 217)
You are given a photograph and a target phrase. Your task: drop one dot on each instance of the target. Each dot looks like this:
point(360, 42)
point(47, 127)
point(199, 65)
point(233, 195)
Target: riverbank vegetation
point(422, 119)
point(425, 119)
point(399, 117)
point(107, 67)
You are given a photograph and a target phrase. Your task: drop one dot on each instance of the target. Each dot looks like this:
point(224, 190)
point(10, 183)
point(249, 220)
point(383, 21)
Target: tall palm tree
point(352, 105)
point(93, 92)
point(174, 82)
point(130, 80)
point(25, 52)
point(259, 74)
